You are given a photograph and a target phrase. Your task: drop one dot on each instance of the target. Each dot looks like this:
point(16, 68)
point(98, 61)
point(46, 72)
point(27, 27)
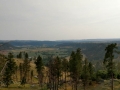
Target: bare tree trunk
point(39, 80)
point(65, 82)
point(31, 80)
point(72, 86)
point(76, 85)
point(53, 85)
point(28, 76)
point(16, 76)
point(112, 82)
point(56, 84)
point(84, 85)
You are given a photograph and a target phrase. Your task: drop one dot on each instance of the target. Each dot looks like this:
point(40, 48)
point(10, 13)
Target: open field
point(45, 53)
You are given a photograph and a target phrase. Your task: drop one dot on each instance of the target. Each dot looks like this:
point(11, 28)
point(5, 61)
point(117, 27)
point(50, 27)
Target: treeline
point(76, 72)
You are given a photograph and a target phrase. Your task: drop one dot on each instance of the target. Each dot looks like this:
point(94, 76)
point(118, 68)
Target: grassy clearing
point(17, 87)
point(41, 51)
point(103, 86)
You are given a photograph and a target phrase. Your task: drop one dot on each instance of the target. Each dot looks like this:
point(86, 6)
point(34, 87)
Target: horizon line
point(61, 39)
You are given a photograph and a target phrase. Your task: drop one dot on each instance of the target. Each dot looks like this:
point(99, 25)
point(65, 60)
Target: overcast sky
point(59, 19)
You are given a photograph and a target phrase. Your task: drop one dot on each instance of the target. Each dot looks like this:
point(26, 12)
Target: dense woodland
point(76, 72)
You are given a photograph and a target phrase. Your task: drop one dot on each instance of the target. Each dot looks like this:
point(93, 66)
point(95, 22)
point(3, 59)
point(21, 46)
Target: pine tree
point(50, 74)
point(10, 70)
point(85, 74)
point(16, 72)
point(21, 71)
point(26, 69)
point(54, 70)
point(31, 75)
point(65, 67)
point(39, 67)
point(23, 82)
point(20, 55)
point(75, 66)
point(108, 60)
point(57, 66)
point(91, 70)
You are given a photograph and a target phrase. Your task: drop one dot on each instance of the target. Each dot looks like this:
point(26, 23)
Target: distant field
point(93, 51)
point(45, 53)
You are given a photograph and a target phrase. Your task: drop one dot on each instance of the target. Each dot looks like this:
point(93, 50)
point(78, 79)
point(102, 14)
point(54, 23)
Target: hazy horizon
point(62, 40)
point(59, 20)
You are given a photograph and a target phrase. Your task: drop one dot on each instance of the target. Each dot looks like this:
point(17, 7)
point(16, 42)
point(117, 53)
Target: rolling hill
point(93, 49)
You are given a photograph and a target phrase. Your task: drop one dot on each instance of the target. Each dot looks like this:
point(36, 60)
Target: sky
point(59, 19)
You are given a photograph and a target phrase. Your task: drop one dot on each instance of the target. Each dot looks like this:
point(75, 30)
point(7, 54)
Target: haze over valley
point(59, 45)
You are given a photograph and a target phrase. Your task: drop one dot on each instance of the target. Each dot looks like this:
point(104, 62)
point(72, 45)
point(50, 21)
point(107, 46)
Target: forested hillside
point(6, 46)
point(74, 73)
point(92, 49)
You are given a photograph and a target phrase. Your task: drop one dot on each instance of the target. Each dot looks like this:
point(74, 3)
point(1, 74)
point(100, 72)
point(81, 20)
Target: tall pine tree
point(26, 69)
point(108, 60)
point(65, 66)
point(39, 67)
point(75, 64)
point(9, 70)
point(85, 74)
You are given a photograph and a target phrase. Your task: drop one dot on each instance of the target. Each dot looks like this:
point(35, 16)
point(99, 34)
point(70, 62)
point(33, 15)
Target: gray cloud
point(59, 19)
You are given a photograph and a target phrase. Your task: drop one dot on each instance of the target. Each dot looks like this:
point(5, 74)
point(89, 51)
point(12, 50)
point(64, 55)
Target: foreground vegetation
point(101, 86)
point(75, 73)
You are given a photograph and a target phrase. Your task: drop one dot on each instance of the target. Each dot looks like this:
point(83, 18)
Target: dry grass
point(17, 87)
point(33, 50)
point(103, 86)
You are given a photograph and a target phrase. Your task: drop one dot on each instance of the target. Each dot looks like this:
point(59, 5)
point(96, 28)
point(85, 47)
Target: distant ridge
point(6, 46)
point(48, 43)
point(92, 48)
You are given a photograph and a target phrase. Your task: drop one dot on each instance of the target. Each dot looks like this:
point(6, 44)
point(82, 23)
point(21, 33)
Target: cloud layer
point(59, 19)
